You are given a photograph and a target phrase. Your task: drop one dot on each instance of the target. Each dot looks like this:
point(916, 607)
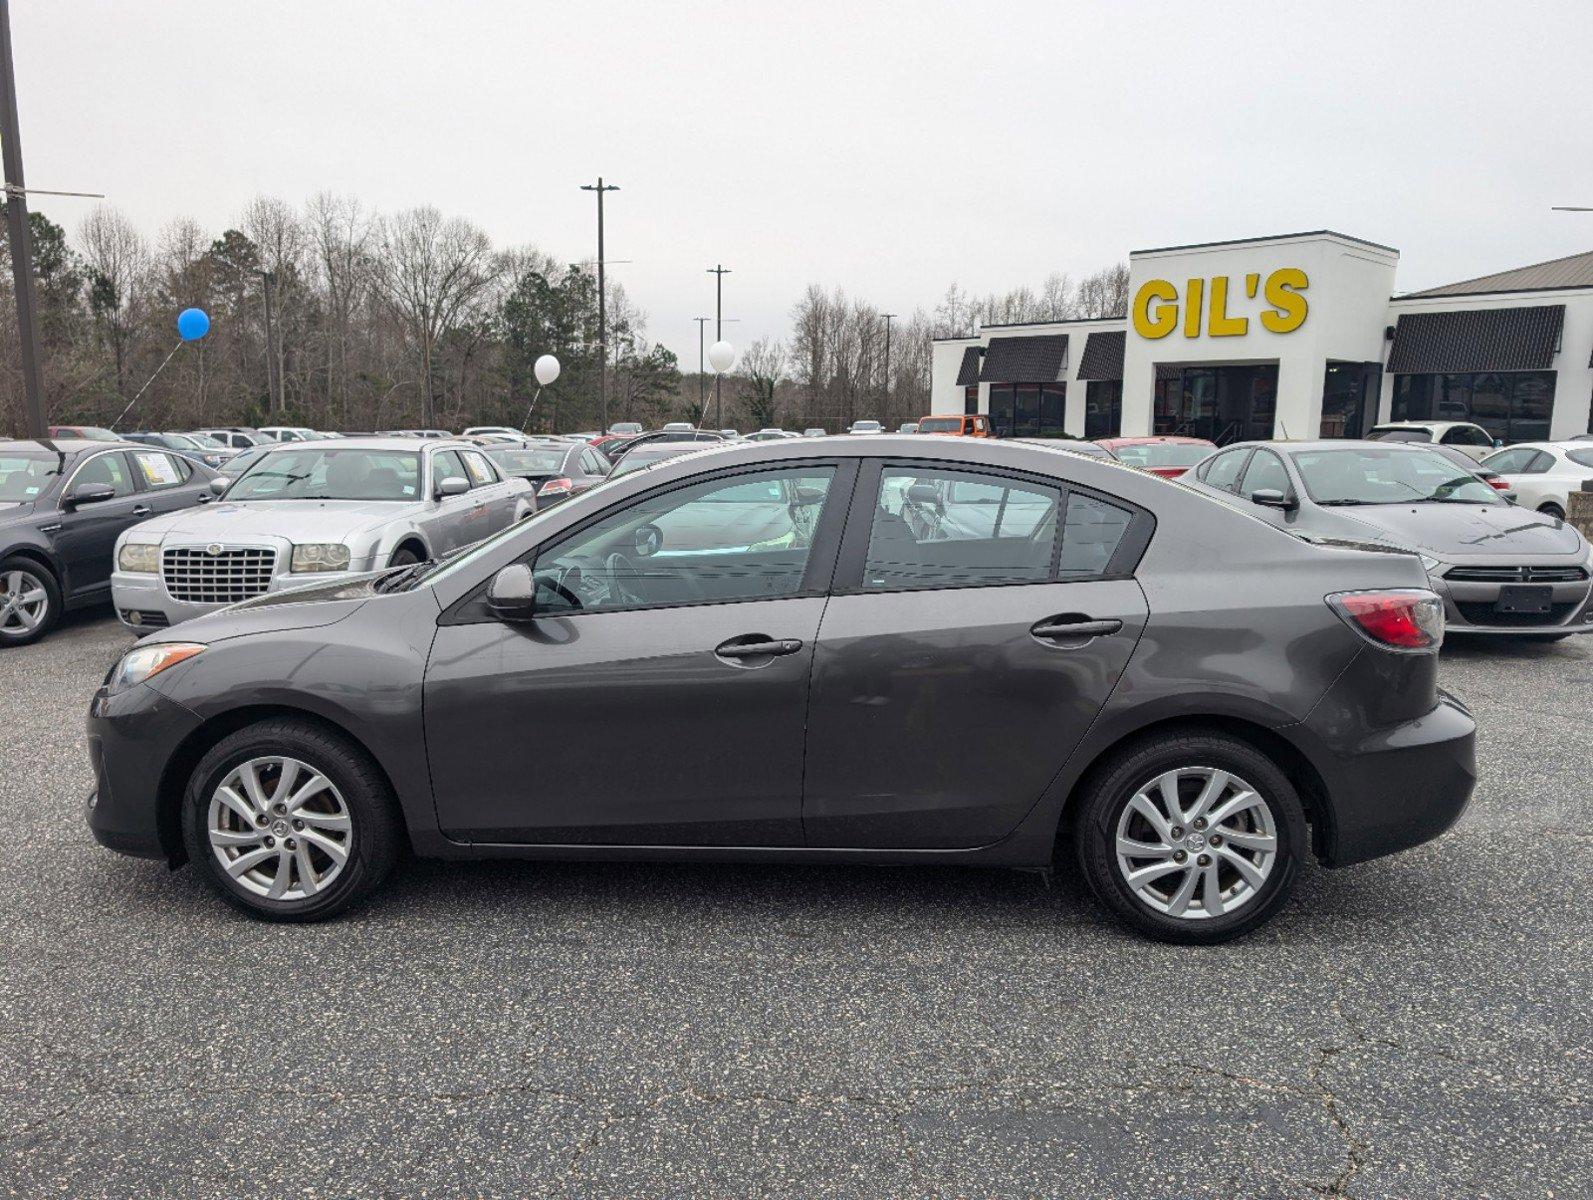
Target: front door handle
point(756, 645)
point(1067, 628)
point(141, 510)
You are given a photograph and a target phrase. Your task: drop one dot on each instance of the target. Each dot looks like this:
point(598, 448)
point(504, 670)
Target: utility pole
point(702, 371)
point(602, 305)
point(719, 271)
point(273, 403)
point(889, 317)
point(17, 229)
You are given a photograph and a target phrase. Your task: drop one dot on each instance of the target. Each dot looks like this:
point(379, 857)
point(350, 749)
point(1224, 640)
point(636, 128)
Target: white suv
point(1473, 441)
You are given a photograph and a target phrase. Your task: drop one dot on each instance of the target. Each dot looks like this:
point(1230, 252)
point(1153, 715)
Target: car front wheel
point(1192, 838)
point(289, 821)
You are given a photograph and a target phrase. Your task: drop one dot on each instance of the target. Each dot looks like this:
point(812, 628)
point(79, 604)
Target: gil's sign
point(1203, 306)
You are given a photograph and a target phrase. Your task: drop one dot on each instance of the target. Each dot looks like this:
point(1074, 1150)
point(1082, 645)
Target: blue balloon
point(192, 324)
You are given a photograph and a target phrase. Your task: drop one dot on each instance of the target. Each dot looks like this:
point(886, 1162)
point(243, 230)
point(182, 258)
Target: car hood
point(1450, 531)
point(15, 511)
point(295, 520)
point(309, 607)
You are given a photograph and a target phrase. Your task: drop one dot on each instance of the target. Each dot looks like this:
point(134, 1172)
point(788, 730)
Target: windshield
point(870, 426)
point(940, 425)
point(625, 427)
point(1400, 435)
point(529, 462)
point(1163, 454)
point(24, 475)
point(320, 473)
point(1369, 475)
point(203, 440)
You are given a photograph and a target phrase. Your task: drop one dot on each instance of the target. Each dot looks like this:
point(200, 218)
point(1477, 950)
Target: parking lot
point(1417, 1026)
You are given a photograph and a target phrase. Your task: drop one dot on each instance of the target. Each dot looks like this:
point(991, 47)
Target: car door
point(660, 697)
point(971, 638)
point(594, 469)
point(494, 502)
point(166, 480)
point(87, 537)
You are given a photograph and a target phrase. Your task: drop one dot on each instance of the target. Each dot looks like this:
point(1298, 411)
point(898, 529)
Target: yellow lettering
point(1192, 295)
point(1158, 320)
point(1219, 323)
point(1288, 306)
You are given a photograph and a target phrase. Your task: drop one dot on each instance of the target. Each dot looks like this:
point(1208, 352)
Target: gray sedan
point(1500, 569)
point(305, 510)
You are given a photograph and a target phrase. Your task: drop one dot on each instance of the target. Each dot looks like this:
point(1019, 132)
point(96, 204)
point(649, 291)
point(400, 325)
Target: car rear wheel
point(289, 821)
point(30, 602)
point(1194, 838)
point(1552, 510)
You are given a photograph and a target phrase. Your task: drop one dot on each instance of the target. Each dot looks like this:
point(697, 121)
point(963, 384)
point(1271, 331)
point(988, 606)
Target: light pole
point(719, 271)
point(702, 372)
point(602, 310)
point(17, 228)
point(889, 317)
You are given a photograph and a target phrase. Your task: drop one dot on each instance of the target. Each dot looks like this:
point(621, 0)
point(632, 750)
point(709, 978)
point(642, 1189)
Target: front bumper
point(1469, 607)
point(143, 602)
point(131, 739)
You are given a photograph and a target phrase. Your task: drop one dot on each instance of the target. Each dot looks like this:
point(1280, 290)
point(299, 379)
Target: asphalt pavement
point(1419, 1026)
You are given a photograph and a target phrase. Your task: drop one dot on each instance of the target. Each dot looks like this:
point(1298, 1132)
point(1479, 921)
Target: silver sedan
point(304, 511)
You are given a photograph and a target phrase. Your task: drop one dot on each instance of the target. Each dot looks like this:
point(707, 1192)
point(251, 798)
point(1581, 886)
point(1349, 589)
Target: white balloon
point(547, 369)
point(721, 357)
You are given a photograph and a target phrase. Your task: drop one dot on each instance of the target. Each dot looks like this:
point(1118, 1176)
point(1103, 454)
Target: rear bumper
point(131, 737)
point(1393, 788)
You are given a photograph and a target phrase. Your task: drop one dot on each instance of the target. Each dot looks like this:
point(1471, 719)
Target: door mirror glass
point(512, 594)
point(1271, 498)
point(91, 493)
point(452, 486)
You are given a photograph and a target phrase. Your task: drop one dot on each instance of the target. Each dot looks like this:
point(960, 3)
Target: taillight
point(1168, 472)
point(555, 487)
point(1408, 619)
point(1499, 484)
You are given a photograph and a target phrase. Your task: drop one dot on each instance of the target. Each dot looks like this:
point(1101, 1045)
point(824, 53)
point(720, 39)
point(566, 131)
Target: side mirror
point(1498, 443)
point(1273, 498)
point(512, 594)
point(91, 493)
point(452, 486)
point(926, 494)
point(219, 484)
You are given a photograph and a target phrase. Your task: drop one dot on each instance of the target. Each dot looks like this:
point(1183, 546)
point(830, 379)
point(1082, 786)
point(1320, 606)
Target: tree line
point(334, 316)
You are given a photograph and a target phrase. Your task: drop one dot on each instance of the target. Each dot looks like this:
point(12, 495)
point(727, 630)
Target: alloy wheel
point(1196, 843)
point(24, 602)
point(279, 828)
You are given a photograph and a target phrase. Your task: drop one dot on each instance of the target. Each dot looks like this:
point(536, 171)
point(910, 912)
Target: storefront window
point(1103, 408)
point(1513, 406)
point(1028, 409)
point(970, 400)
point(1349, 398)
point(1221, 404)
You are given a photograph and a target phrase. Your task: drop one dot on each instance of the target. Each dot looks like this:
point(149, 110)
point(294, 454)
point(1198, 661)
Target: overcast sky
point(889, 149)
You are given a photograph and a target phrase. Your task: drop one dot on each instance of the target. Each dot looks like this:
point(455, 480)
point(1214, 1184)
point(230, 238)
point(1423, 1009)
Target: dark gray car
point(1499, 569)
point(897, 648)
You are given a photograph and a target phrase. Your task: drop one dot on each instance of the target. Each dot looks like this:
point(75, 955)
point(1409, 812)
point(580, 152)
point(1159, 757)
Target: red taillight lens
point(1502, 485)
point(1405, 620)
point(555, 487)
point(1168, 472)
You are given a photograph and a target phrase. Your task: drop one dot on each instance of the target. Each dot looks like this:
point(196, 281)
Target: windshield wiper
point(397, 579)
point(1346, 503)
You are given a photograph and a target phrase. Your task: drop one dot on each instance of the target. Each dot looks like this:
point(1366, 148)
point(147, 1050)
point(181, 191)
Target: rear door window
point(159, 470)
point(481, 474)
point(1090, 535)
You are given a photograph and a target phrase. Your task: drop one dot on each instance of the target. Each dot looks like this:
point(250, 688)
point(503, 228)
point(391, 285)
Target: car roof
point(1422, 425)
point(373, 443)
point(68, 445)
point(1160, 438)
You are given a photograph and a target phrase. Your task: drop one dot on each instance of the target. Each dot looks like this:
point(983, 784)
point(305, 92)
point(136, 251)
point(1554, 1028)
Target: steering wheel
point(620, 568)
point(558, 588)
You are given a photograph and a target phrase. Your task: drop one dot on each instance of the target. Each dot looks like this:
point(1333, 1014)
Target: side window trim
point(132, 478)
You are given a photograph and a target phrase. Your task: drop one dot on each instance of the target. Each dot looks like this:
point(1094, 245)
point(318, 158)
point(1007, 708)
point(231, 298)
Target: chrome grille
point(199, 577)
point(1524, 574)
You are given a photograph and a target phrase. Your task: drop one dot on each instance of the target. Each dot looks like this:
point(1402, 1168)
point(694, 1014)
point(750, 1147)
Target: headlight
point(145, 662)
point(1430, 564)
point(320, 556)
point(140, 557)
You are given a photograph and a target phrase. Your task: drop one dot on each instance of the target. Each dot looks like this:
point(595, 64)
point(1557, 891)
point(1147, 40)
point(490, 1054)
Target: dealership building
point(1298, 336)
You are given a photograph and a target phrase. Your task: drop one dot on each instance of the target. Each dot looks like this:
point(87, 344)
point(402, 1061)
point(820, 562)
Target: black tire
point(32, 572)
point(1135, 766)
point(403, 557)
point(1552, 510)
point(376, 836)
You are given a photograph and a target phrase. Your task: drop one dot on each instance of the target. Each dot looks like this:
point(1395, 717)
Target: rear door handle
point(756, 645)
point(1068, 628)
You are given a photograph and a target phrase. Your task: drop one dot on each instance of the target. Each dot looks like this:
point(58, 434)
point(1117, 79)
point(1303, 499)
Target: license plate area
point(1525, 598)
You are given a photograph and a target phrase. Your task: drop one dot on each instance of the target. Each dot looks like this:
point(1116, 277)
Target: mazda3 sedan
point(930, 650)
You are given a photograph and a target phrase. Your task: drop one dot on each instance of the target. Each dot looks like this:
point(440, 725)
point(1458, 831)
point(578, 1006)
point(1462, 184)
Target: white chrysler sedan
point(305, 510)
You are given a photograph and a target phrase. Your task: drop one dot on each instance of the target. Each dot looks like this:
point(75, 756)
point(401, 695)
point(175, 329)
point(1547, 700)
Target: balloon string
point(147, 382)
point(525, 425)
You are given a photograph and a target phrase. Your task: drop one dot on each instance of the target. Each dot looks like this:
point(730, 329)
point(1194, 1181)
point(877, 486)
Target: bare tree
point(432, 271)
point(340, 235)
point(763, 369)
point(1105, 293)
point(117, 257)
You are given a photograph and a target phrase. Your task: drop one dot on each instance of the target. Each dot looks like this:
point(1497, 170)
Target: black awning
point(968, 373)
point(1483, 339)
point(1037, 359)
point(1103, 355)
